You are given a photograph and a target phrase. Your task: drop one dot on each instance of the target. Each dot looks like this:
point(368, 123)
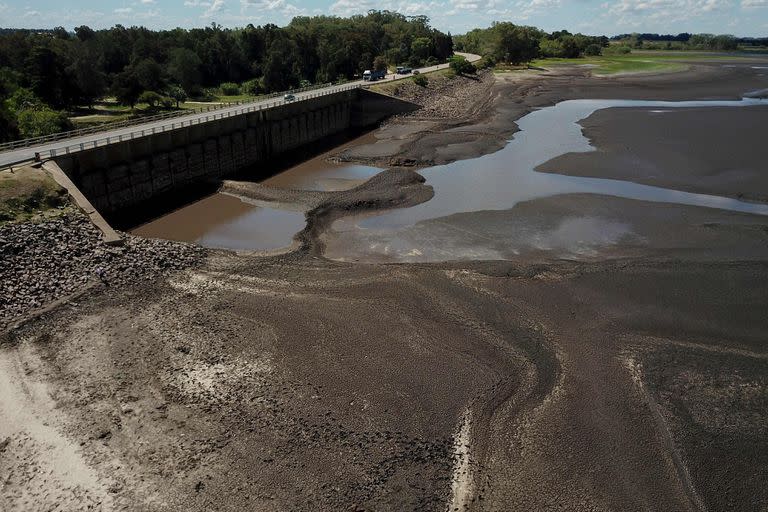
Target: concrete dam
point(124, 175)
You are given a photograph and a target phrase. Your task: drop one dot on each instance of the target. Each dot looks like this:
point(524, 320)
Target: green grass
point(649, 61)
point(28, 193)
point(612, 65)
point(389, 87)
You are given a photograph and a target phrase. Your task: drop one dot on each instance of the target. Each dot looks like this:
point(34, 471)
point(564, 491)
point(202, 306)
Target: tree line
point(685, 41)
point(516, 44)
point(43, 73)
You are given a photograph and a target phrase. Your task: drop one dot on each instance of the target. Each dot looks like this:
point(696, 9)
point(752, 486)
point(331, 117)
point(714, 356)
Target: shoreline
point(292, 382)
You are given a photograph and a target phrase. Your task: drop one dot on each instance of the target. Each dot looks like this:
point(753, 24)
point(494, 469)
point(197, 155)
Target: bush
point(421, 80)
point(252, 87)
point(166, 102)
point(617, 50)
point(486, 62)
point(177, 94)
point(462, 66)
point(151, 98)
point(593, 50)
point(36, 122)
point(229, 89)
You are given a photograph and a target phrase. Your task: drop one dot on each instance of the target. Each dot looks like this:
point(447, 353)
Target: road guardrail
point(114, 139)
point(35, 141)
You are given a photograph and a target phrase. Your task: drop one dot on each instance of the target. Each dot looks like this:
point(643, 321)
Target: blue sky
point(740, 17)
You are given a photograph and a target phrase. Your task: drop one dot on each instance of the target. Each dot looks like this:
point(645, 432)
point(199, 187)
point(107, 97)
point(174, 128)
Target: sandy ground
point(297, 383)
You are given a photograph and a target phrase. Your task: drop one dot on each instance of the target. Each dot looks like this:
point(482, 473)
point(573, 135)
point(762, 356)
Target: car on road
point(402, 70)
point(289, 97)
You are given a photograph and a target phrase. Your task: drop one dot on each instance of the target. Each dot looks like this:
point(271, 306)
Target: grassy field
point(28, 192)
point(612, 65)
point(650, 61)
point(109, 111)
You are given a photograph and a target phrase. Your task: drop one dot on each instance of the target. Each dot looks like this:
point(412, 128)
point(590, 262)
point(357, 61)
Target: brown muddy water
point(227, 222)
point(428, 232)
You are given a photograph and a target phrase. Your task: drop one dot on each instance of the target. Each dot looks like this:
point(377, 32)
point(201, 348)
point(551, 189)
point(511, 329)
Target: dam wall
point(128, 173)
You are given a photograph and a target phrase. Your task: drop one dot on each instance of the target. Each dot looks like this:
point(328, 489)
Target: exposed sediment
point(292, 382)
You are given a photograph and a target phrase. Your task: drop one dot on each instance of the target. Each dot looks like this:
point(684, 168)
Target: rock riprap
point(43, 261)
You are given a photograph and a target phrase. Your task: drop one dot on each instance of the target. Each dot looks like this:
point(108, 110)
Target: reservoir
point(497, 182)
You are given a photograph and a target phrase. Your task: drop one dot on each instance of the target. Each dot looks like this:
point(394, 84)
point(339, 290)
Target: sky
point(610, 17)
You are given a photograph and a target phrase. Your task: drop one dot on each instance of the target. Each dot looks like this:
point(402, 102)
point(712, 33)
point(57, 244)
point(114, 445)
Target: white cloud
point(662, 12)
point(213, 8)
point(751, 4)
point(30, 14)
point(123, 10)
point(147, 1)
point(279, 6)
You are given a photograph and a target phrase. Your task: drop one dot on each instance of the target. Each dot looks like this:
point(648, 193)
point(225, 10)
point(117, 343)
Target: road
point(26, 154)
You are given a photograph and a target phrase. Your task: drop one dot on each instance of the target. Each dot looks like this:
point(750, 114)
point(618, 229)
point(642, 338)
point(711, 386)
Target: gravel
point(43, 261)
point(446, 97)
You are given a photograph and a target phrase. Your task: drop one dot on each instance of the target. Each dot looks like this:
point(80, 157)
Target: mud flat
point(549, 381)
point(720, 151)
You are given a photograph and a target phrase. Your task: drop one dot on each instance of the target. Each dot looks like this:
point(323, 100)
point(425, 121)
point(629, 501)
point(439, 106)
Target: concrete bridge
point(126, 167)
point(148, 162)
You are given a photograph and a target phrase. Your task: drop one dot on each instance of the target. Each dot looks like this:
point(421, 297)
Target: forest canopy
point(62, 69)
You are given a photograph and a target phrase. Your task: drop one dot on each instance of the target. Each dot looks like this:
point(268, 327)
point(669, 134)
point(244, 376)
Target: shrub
point(462, 66)
point(252, 87)
point(177, 94)
point(486, 62)
point(36, 122)
point(593, 50)
point(229, 89)
point(421, 80)
point(151, 98)
point(617, 50)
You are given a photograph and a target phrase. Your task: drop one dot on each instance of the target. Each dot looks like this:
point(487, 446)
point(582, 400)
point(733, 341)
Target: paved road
point(26, 154)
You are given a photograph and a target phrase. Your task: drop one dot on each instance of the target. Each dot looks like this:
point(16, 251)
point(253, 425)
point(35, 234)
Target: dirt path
point(41, 467)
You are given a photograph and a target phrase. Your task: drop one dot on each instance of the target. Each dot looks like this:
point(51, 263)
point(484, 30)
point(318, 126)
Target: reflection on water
point(501, 180)
point(322, 175)
point(222, 221)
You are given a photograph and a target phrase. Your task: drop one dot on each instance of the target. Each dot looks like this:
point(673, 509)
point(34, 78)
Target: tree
point(380, 64)
point(148, 73)
point(84, 33)
point(420, 50)
point(46, 75)
point(515, 44)
point(127, 88)
point(279, 73)
point(88, 80)
point(593, 49)
point(550, 48)
point(36, 122)
point(229, 89)
point(22, 99)
point(184, 68)
point(177, 94)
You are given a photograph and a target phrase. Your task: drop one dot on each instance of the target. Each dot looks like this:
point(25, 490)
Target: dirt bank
point(293, 382)
point(488, 119)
